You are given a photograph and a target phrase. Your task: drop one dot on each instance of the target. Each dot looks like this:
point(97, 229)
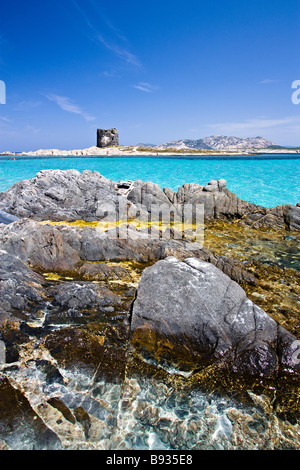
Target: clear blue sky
point(156, 70)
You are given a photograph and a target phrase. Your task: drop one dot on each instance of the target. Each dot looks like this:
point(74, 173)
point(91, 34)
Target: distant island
point(213, 145)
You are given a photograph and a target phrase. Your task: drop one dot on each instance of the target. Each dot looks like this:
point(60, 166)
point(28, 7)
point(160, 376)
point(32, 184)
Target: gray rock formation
point(61, 195)
point(81, 303)
point(68, 248)
point(218, 202)
point(21, 296)
point(107, 138)
point(30, 304)
point(189, 315)
point(42, 246)
point(220, 142)
point(70, 195)
point(19, 285)
point(69, 340)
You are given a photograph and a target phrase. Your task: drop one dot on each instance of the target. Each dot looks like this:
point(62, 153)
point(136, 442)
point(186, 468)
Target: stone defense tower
point(107, 137)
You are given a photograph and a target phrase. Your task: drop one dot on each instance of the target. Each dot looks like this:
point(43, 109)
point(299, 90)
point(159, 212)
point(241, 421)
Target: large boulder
point(189, 315)
point(61, 195)
point(42, 246)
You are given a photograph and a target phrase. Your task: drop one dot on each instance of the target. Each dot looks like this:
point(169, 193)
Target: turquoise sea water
point(263, 180)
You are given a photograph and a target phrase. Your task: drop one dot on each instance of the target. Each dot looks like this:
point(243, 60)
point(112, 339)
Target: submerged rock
point(20, 427)
point(80, 350)
point(189, 315)
point(101, 272)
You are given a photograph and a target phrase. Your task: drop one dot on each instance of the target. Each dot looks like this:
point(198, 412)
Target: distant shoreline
point(134, 151)
point(258, 156)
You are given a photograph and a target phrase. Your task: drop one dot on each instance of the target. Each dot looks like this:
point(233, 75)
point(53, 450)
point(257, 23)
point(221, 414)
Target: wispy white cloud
point(115, 30)
point(110, 74)
point(83, 15)
point(25, 104)
point(66, 104)
point(113, 39)
point(256, 124)
point(120, 51)
point(147, 87)
point(31, 129)
point(266, 81)
point(5, 119)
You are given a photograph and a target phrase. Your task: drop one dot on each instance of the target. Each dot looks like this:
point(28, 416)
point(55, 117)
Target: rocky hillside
point(220, 142)
point(186, 144)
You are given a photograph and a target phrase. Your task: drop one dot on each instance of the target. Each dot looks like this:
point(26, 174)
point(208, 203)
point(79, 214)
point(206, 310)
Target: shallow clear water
point(263, 180)
point(144, 413)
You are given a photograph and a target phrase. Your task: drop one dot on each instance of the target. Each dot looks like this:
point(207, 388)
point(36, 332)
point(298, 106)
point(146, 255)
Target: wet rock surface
point(20, 426)
point(79, 315)
point(273, 257)
point(80, 350)
point(20, 287)
point(101, 272)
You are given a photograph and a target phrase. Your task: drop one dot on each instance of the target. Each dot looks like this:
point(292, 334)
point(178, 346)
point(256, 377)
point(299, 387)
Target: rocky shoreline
point(95, 290)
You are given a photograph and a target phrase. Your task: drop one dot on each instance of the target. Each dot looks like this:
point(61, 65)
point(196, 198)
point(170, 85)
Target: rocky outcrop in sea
point(70, 195)
point(118, 328)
